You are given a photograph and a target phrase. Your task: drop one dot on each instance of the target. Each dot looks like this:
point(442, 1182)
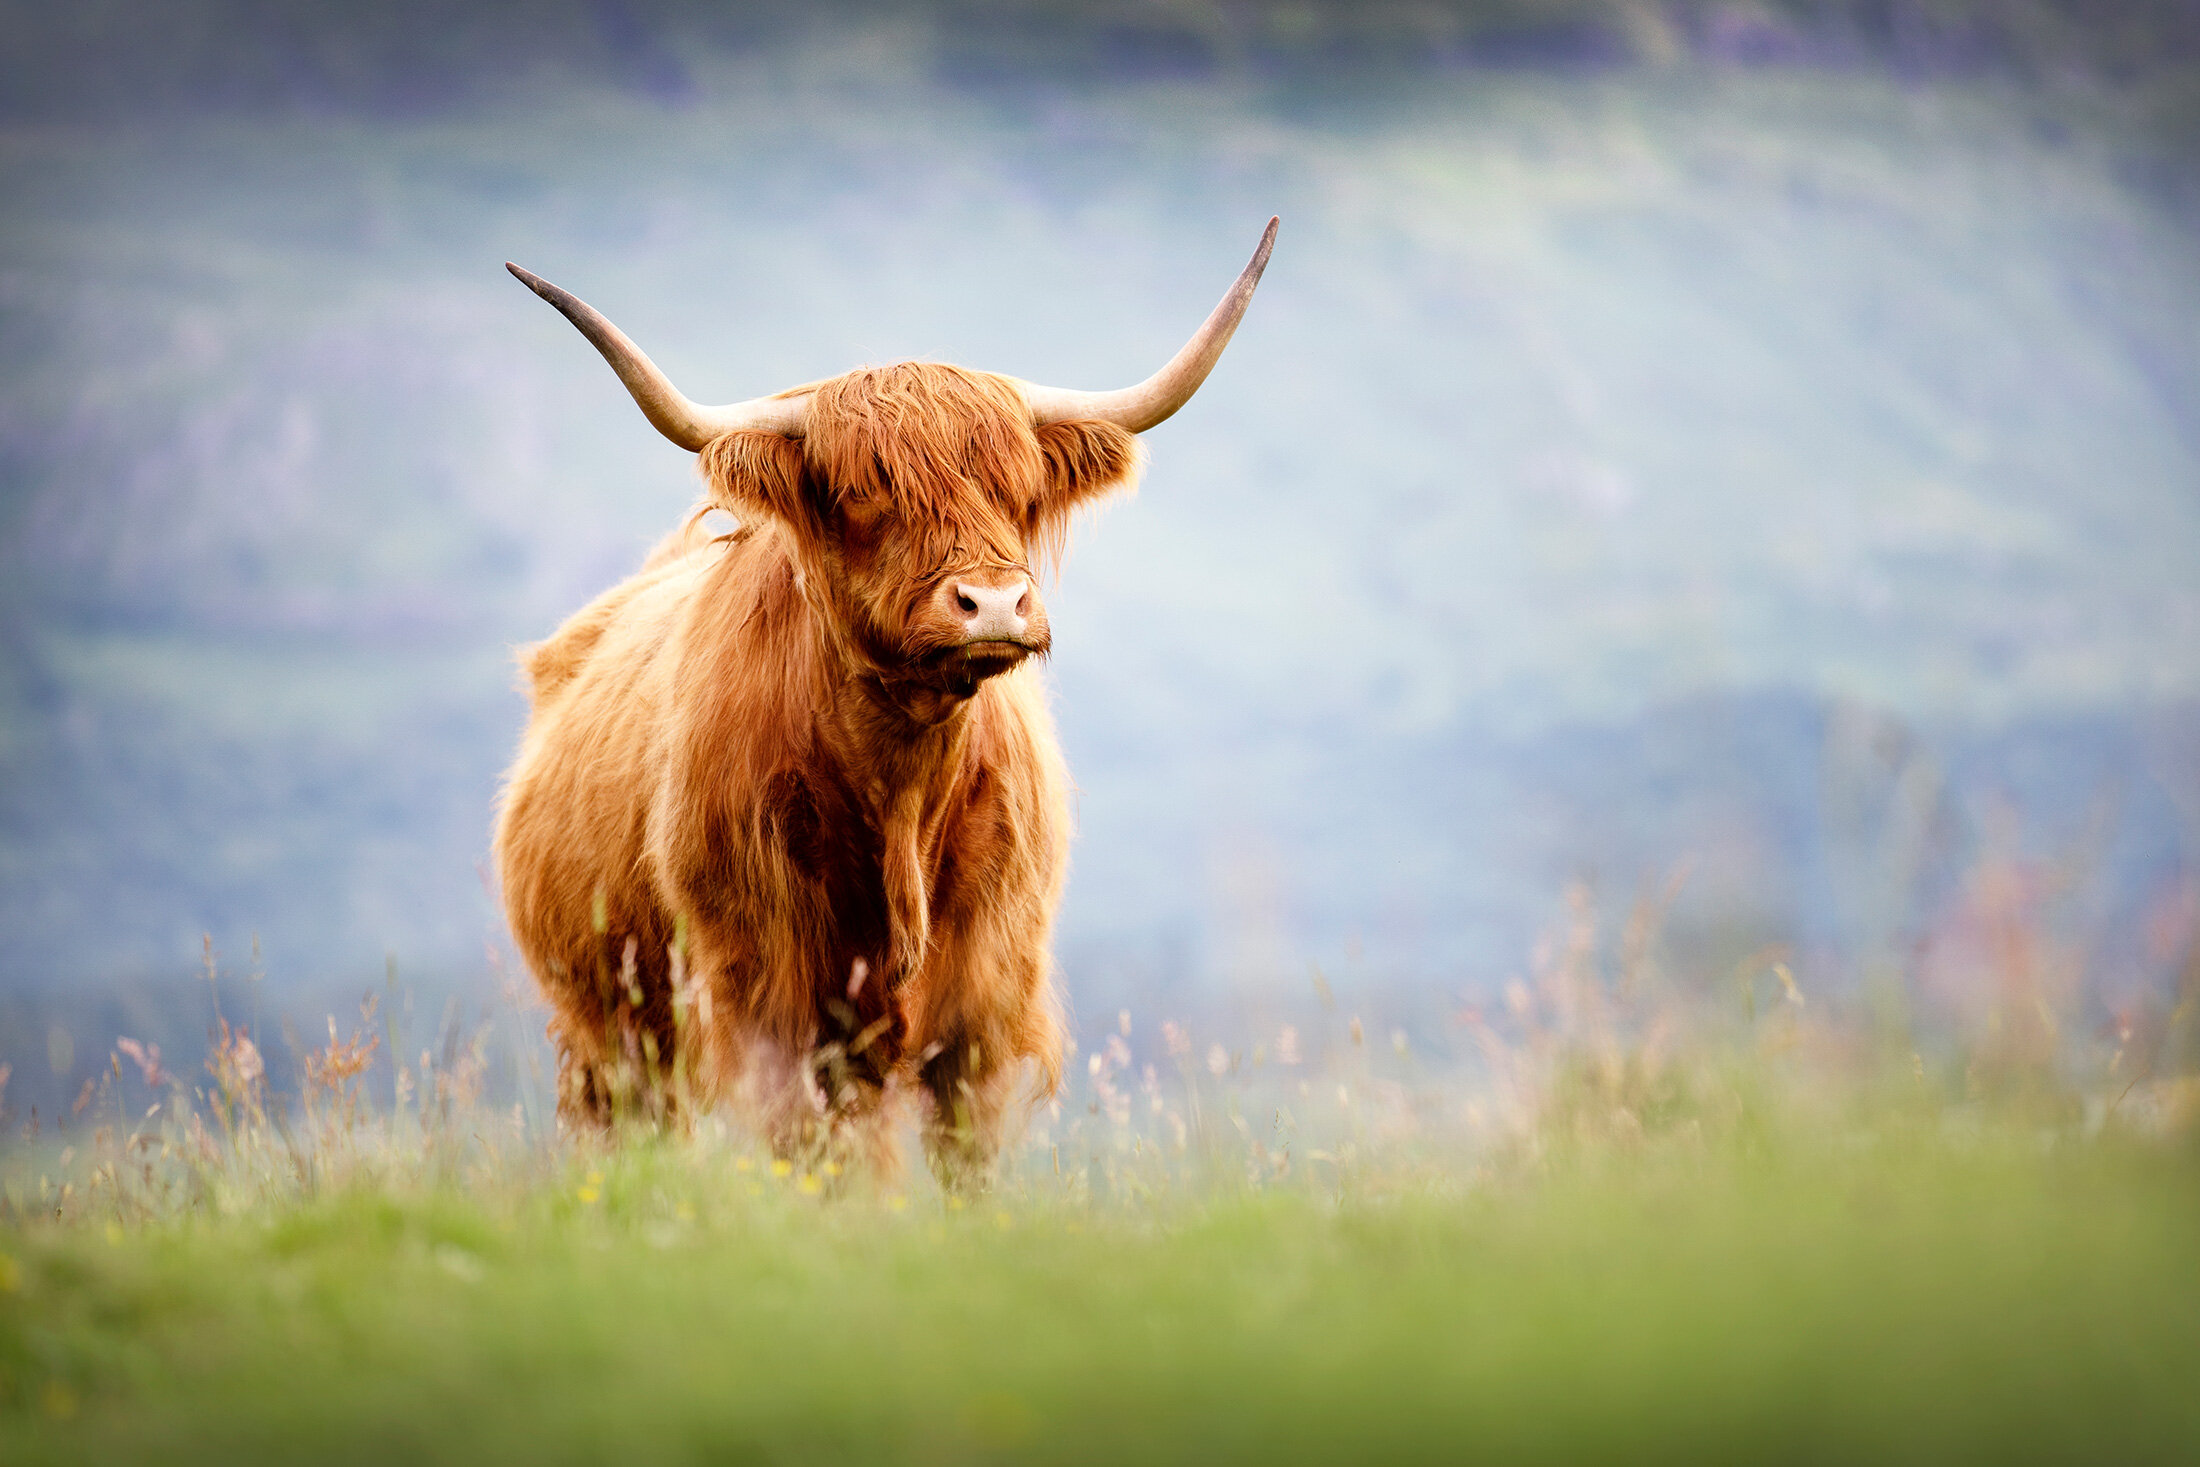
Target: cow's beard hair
point(931, 686)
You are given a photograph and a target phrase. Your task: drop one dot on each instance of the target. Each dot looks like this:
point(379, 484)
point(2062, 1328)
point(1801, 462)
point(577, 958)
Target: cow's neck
point(904, 753)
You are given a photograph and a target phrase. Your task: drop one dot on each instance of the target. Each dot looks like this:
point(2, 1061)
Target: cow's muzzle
point(991, 614)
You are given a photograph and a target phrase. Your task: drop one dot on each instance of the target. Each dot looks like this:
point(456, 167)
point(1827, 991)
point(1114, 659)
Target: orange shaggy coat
point(769, 829)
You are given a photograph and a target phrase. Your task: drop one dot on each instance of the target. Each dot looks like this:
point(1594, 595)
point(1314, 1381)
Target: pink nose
point(994, 612)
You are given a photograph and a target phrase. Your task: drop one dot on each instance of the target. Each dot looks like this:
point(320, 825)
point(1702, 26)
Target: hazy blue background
point(1759, 441)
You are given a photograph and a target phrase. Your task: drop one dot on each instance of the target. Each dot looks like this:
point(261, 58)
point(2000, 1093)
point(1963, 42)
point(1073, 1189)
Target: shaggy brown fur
point(774, 825)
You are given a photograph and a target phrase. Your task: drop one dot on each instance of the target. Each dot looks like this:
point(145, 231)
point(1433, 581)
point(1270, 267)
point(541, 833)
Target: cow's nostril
point(993, 613)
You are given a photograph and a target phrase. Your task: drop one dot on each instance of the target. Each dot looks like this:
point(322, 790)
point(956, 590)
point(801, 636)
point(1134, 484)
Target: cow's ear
point(752, 474)
point(1085, 460)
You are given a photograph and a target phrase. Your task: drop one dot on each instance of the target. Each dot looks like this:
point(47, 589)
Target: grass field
point(1600, 1245)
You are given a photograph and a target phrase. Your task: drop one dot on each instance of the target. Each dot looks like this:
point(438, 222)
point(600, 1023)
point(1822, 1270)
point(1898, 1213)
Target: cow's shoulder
point(550, 665)
point(644, 605)
point(635, 606)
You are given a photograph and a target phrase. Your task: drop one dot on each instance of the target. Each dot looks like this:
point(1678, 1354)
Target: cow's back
point(571, 832)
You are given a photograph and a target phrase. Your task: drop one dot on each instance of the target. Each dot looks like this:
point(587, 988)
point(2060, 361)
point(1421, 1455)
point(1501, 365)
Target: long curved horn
point(689, 424)
point(1153, 400)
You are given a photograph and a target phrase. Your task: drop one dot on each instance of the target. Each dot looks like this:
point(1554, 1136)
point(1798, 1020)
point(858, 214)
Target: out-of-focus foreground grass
point(1645, 1224)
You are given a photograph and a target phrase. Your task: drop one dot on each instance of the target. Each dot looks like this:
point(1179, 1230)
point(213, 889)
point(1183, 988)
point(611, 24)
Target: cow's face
point(922, 502)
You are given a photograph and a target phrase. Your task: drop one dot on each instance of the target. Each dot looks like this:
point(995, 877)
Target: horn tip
point(1258, 265)
point(528, 278)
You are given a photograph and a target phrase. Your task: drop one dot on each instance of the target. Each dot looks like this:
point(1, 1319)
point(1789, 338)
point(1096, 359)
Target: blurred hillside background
point(1745, 453)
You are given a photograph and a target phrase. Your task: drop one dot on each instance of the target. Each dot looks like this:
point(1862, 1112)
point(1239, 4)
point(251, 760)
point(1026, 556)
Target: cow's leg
point(775, 1095)
point(622, 1074)
point(584, 1098)
point(580, 1030)
point(819, 1101)
point(860, 1045)
point(618, 1038)
point(969, 1091)
point(816, 1113)
point(983, 1020)
point(825, 1107)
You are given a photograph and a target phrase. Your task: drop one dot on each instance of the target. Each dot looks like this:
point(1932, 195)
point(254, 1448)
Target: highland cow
point(789, 823)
